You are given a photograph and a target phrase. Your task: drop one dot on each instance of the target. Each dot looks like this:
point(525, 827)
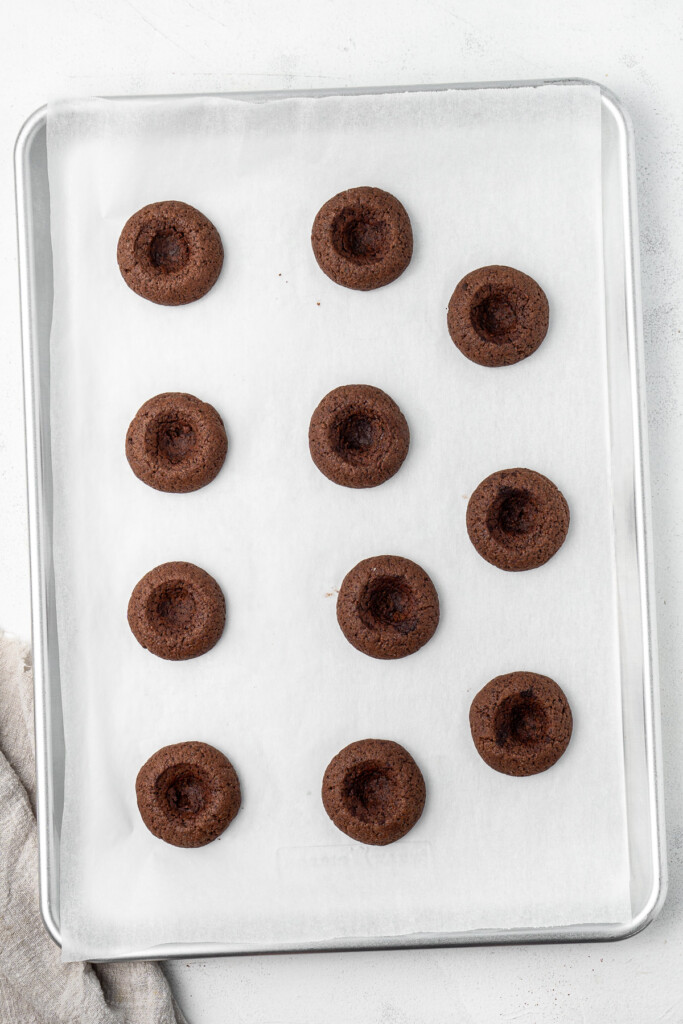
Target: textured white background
point(83, 46)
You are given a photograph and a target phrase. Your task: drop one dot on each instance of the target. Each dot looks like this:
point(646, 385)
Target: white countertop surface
point(635, 47)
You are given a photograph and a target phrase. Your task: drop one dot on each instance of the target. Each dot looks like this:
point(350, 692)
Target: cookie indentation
point(354, 436)
point(520, 720)
point(513, 513)
point(373, 791)
point(171, 607)
point(498, 316)
point(174, 438)
point(358, 436)
point(168, 251)
point(517, 519)
point(494, 318)
point(521, 723)
point(362, 238)
point(368, 792)
point(387, 607)
point(176, 443)
point(177, 611)
point(389, 601)
point(184, 789)
point(359, 236)
point(187, 793)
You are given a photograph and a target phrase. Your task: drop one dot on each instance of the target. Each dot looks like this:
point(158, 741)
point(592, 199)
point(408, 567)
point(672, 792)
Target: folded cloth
point(35, 986)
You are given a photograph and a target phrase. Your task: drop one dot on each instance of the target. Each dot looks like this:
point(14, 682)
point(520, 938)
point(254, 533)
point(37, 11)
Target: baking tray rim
point(39, 600)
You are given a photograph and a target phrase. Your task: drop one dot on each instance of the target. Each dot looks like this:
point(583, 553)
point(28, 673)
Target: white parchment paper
point(490, 176)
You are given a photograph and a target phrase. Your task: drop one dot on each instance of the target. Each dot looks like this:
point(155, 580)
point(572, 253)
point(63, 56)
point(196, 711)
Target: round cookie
point(517, 519)
point(497, 316)
point(176, 443)
point(170, 253)
point(387, 607)
point(358, 436)
point(187, 793)
point(373, 791)
point(177, 611)
point(362, 238)
point(521, 723)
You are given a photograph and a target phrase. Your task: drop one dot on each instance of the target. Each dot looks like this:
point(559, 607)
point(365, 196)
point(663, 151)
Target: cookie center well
point(355, 436)
point(513, 514)
point(520, 721)
point(183, 790)
point(360, 236)
point(388, 601)
point(175, 439)
point(168, 251)
point(171, 607)
point(369, 792)
point(494, 317)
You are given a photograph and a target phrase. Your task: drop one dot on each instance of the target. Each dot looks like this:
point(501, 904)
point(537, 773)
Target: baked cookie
point(497, 316)
point(521, 723)
point(362, 238)
point(387, 607)
point(188, 793)
point(176, 443)
point(517, 519)
point(177, 611)
point(373, 791)
point(170, 253)
point(358, 436)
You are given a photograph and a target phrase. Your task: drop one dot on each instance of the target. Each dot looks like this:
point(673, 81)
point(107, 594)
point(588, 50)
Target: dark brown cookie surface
point(387, 607)
point(362, 238)
point(176, 443)
point(177, 611)
point(358, 436)
point(521, 723)
point(497, 316)
point(170, 253)
point(373, 791)
point(517, 519)
point(187, 793)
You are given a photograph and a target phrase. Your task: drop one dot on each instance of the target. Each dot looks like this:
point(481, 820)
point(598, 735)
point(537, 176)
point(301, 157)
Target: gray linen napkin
point(35, 986)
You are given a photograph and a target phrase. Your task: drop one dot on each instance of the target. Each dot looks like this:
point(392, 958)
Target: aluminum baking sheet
point(635, 632)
